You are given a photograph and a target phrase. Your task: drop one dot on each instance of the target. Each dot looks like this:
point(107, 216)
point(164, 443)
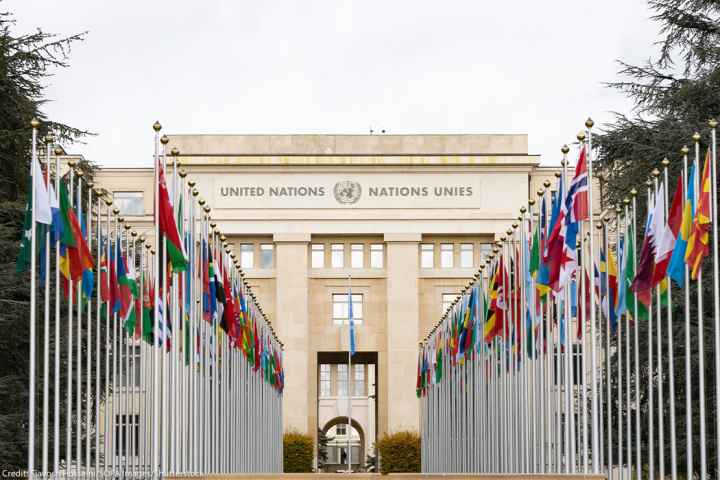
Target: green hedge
point(297, 452)
point(399, 452)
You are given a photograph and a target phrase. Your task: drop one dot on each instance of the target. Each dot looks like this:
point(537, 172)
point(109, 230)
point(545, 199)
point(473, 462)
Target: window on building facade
point(447, 300)
point(376, 255)
point(125, 426)
point(340, 308)
point(337, 255)
point(359, 377)
point(129, 203)
point(341, 429)
point(466, 255)
point(342, 380)
point(357, 255)
point(317, 255)
point(577, 366)
point(130, 376)
point(325, 381)
point(485, 251)
point(247, 255)
point(427, 255)
point(266, 255)
point(446, 255)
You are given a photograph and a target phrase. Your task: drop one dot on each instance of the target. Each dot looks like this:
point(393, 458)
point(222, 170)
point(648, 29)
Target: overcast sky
point(337, 66)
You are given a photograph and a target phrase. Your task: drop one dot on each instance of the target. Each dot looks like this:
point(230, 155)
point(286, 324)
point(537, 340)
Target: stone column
point(403, 317)
point(292, 326)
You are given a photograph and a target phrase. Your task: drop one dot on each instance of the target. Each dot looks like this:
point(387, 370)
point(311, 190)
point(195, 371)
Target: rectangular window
point(337, 255)
point(129, 203)
point(317, 255)
point(247, 255)
point(485, 251)
point(376, 255)
point(427, 255)
point(342, 379)
point(446, 255)
point(577, 370)
point(340, 308)
point(325, 382)
point(357, 254)
point(130, 366)
point(266, 255)
point(359, 379)
point(466, 255)
point(447, 300)
point(126, 425)
point(340, 429)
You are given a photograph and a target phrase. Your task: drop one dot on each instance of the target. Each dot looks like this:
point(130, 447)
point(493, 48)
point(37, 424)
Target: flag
point(676, 269)
point(575, 211)
point(653, 227)
point(128, 292)
point(698, 246)
point(669, 234)
point(351, 321)
point(168, 227)
point(497, 305)
point(43, 212)
point(643, 301)
point(552, 256)
point(79, 258)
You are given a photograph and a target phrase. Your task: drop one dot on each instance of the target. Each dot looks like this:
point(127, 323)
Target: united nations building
point(402, 220)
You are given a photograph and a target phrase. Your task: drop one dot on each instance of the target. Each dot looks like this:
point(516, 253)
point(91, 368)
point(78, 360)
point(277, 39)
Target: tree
point(26, 60)
point(674, 94)
point(322, 447)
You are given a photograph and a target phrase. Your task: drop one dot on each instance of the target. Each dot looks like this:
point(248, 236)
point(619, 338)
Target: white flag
point(43, 213)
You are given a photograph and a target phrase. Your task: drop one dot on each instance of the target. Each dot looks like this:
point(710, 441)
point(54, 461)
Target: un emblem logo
point(347, 192)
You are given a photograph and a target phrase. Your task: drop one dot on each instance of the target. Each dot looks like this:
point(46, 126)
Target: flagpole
point(156, 348)
point(594, 400)
point(98, 366)
point(34, 123)
point(88, 351)
point(46, 326)
point(712, 123)
point(56, 397)
point(349, 426)
point(628, 415)
point(670, 335)
point(701, 330)
point(114, 417)
point(658, 306)
point(78, 371)
point(69, 403)
point(651, 373)
point(638, 466)
point(608, 387)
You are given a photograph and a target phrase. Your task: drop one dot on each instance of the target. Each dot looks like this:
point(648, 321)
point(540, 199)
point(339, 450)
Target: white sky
point(337, 66)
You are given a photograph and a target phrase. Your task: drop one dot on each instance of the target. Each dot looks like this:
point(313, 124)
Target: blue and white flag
point(351, 321)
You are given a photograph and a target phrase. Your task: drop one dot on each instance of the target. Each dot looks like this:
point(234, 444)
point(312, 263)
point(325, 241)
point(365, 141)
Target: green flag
point(642, 311)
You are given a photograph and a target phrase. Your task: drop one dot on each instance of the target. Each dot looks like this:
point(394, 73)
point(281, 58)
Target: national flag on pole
point(78, 253)
point(168, 227)
point(653, 227)
point(699, 243)
point(351, 321)
point(676, 269)
point(497, 305)
point(669, 234)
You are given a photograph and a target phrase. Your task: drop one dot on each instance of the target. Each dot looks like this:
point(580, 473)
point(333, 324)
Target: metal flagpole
point(56, 397)
point(349, 374)
point(658, 293)
point(98, 246)
point(670, 335)
point(78, 371)
point(621, 281)
point(638, 464)
point(46, 325)
point(69, 403)
point(651, 373)
point(35, 123)
point(156, 299)
point(114, 422)
point(593, 351)
point(88, 348)
point(701, 331)
point(602, 226)
point(712, 123)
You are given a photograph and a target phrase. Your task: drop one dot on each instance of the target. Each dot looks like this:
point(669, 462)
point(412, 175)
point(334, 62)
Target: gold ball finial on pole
point(115, 211)
point(696, 137)
point(565, 149)
point(558, 174)
point(618, 210)
point(157, 127)
point(581, 136)
point(531, 201)
point(72, 163)
point(634, 192)
point(589, 122)
point(655, 173)
point(685, 150)
point(191, 183)
point(58, 151)
point(712, 123)
point(523, 209)
point(195, 192)
point(164, 140)
point(546, 184)
point(626, 201)
point(182, 173)
point(133, 233)
point(540, 192)
point(648, 182)
point(34, 123)
point(175, 152)
point(80, 173)
point(665, 162)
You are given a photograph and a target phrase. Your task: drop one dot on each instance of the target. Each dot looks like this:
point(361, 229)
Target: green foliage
point(399, 452)
point(322, 446)
point(674, 94)
point(297, 452)
point(25, 62)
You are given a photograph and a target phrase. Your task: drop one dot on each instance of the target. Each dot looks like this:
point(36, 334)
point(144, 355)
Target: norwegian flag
point(575, 210)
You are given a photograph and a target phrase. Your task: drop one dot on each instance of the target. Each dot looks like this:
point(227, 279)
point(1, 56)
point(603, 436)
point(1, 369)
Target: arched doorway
point(337, 430)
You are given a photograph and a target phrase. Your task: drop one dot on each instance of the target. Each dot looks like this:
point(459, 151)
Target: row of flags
point(565, 292)
point(179, 295)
